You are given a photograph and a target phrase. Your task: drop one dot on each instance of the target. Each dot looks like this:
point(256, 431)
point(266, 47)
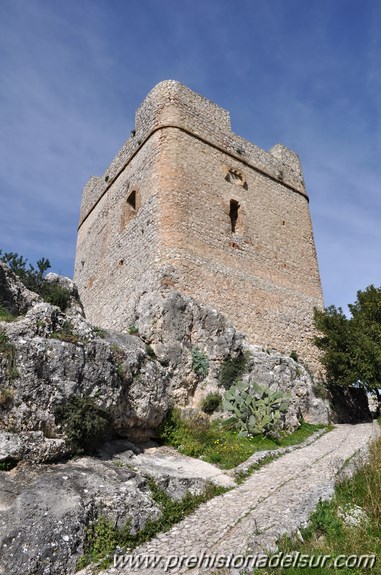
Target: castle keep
point(189, 205)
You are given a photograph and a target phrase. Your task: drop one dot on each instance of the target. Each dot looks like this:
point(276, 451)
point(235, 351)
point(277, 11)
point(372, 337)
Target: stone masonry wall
point(194, 180)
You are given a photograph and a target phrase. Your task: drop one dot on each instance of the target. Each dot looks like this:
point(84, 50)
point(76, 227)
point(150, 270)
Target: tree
point(352, 346)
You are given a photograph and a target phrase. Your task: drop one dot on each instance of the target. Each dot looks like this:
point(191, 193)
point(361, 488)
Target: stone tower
point(189, 205)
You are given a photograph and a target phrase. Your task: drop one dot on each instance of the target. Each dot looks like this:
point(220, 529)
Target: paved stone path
point(275, 500)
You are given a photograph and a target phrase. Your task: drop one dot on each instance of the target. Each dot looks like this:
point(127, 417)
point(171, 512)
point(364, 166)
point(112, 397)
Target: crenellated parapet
point(170, 104)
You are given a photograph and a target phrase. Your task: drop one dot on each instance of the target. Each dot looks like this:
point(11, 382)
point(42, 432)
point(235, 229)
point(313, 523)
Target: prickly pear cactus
point(255, 409)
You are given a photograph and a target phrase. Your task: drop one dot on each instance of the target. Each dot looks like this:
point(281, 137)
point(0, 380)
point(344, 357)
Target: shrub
point(9, 353)
point(6, 396)
point(200, 362)
point(294, 355)
point(99, 332)
point(34, 279)
point(84, 423)
point(7, 464)
point(211, 402)
point(255, 410)
point(149, 351)
point(55, 295)
point(133, 330)
point(232, 370)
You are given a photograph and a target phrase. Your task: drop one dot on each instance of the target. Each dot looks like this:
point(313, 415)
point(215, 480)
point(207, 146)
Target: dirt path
point(275, 500)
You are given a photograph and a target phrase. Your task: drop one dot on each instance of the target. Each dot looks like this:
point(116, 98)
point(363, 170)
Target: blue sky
point(303, 73)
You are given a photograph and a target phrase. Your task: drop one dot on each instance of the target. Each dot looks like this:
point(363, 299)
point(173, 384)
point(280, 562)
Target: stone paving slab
point(276, 499)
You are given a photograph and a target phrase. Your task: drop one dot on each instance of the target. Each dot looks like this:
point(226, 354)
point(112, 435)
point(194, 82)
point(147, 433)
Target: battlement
point(170, 104)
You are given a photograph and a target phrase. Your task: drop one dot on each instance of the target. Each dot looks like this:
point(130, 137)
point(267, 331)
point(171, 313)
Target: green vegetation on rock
point(5, 315)
point(211, 403)
point(103, 537)
point(232, 370)
point(85, 424)
point(255, 410)
point(34, 278)
point(8, 355)
point(200, 362)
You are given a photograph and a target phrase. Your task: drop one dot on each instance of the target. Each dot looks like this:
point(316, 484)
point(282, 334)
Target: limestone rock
point(47, 357)
point(175, 325)
point(30, 446)
point(57, 356)
point(14, 296)
point(45, 510)
point(51, 357)
point(75, 306)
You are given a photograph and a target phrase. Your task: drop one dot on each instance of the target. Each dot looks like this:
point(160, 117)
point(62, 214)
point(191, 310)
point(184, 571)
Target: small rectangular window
point(234, 207)
point(132, 200)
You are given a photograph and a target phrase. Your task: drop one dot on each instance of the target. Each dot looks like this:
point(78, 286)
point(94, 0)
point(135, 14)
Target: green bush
point(55, 295)
point(200, 362)
point(85, 424)
point(133, 330)
point(150, 351)
point(34, 279)
point(9, 353)
point(255, 410)
point(211, 402)
point(232, 370)
point(99, 332)
point(7, 465)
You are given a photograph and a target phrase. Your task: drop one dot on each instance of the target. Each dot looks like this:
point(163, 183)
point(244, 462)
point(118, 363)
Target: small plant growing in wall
point(200, 362)
point(133, 330)
point(255, 410)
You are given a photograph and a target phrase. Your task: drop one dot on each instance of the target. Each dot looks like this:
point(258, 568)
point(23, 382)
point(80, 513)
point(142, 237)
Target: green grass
point(66, 334)
point(213, 442)
point(328, 532)
point(5, 315)
point(103, 537)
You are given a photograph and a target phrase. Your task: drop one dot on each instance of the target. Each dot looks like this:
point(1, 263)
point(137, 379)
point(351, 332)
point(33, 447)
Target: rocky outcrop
point(47, 357)
point(175, 353)
point(176, 325)
point(45, 510)
point(15, 298)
